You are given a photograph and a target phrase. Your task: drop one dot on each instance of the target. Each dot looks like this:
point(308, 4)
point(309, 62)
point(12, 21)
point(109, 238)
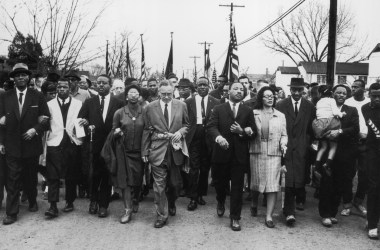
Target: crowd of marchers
point(111, 137)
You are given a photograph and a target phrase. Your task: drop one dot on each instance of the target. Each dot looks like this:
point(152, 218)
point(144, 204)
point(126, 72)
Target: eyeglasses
point(268, 96)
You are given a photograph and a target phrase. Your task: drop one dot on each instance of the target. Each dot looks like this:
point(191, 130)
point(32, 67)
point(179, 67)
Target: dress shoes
point(93, 209)
point(102, 212)
point(269, 223)
point(127, 217)
point(201, 201)
point(135, 206)
point(235, 226)
point(33, 208)
point(326, 222)
point(52, 212)
point(172, 210)
point(159, 223)
point(373, 234)
point(253, 211)
point(9, 220)
point(115, 196)
point(220, 209)
point(290, 220)
point(69, 207)
point(192, 205)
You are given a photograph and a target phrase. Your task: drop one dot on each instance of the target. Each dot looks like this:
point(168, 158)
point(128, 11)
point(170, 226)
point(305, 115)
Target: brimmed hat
point(20, 68)
point(53, 77)
point(86, 79)
point(185, 83)
point(72, 74)
point(297, 83)
point(172, 75)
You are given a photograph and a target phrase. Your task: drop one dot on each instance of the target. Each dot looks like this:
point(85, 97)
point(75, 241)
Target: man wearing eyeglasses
point(24, 114)
point(218, 92)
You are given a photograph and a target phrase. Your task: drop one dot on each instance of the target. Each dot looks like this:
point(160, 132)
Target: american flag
point(234, 59)
point(213, 79)
point(208, 63)
point(143, 73)
point(108, 68)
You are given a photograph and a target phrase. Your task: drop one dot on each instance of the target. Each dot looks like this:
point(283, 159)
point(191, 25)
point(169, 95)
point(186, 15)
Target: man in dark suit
point(200, 147)
point(98, 111)
point(218, 91)
point(339, 185)
point(228, 126)
point(164, 147)
point(26, 113)
point(299, 114)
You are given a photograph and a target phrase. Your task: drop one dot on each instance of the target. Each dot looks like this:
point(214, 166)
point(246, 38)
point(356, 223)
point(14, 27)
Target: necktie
point(102, 105)
point(63, 102)
point(166, 114)
point(296, 108)
point(234, 109)
point(20, 98)
point(203, 108)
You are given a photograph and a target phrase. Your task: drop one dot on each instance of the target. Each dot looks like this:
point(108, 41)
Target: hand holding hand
point(176, 137)
point(223, 143)
point(118, 132)
point(235, 128)
point(28, 135)
point(144, 159)
point(43, 119)
point(283, 169)
point(83, 122)
point(248, 131)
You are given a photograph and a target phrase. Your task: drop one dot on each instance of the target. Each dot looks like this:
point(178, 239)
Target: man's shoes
point(93, 209)
point(345, 212)
point(45, 196)
point(290, 220)
point(201, 201)
point(24, 197)
point(373, 234)
point(269, 223)
point(9, 220)
point(135, 206)
point(159, 223)
point(33, 208)
point(69, 207)
point(300, 206)
point(360, 208)
point(102, 212)
point(253, 211)
point(220, 209)
point(127, 217)
point(192, 205)
point(334, 220)
point(115, 196)
point(235, 226)
point(172, 210)
point(52, 212)
point(326, 222)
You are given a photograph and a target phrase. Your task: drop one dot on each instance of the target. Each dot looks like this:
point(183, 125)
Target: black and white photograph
point(177, 124)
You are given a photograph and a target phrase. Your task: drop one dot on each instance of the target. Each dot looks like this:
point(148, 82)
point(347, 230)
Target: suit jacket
point(154, 122)
point(277, 133)
point(300, 134)
point(57, 128)
point(91, 111)
point(17, 124)
point(219, 124)
point(192, 111)
point(251, 102)
point(348, 140)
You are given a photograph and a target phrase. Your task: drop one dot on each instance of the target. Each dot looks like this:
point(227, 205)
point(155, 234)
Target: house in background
point(255, 77)
point(284, 75)
point(345, 73)
point(374, 65)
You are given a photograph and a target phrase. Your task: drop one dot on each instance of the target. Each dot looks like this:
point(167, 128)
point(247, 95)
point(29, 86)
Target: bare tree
point(61, 27)
point(304, 35)
point(97, 69)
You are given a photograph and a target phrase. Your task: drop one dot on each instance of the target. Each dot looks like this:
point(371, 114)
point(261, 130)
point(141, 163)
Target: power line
point(282, 16)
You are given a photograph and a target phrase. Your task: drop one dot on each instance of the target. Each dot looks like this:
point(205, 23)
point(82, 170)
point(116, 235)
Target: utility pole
point(195, 67)
point(331, 52)
point(205, 44)
point(232, 6)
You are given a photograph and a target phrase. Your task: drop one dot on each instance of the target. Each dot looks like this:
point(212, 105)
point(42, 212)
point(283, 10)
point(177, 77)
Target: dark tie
point(203, 108)
point(63, 102)
point(102, 105)
point(20, 98)
point(166, 114)
point(234, 109)
point(296, 108)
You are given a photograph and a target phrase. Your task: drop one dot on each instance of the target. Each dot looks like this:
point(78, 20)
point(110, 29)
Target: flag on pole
point(208, 63)
point(162, 77)
point(195, 76)
point(169, 64)
point(231, 66)
point(108, 68)
point(214, 79)
point(143, 73)
point(128, 67)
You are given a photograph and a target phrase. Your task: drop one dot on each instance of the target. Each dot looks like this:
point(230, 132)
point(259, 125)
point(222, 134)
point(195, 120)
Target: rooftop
point(341, 68)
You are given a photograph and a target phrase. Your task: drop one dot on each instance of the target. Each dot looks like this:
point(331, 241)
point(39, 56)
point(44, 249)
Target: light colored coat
point(278, 136)
point(55, 134)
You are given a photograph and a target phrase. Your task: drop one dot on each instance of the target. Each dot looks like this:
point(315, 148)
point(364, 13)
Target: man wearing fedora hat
point(299, 114)
point(185, 89)
point(20, 139)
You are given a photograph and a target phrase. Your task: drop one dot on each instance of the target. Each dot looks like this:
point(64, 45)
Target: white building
point(374, 65)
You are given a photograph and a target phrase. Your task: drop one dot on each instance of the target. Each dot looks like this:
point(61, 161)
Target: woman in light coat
point(266, 151)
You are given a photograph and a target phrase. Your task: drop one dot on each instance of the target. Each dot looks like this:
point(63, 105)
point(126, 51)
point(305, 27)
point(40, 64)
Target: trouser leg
point(362, 187)
point(373, 199)
point(220, 176)
point(71, 191)
point(159, 186)
point(237, 185)
point(30, 178)
point(289, 202)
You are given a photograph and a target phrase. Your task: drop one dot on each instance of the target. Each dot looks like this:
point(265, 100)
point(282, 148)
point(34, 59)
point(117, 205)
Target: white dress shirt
point(236, 107)
point(298, 104)
point(169, 110)
point(198, 103)
point(106, 105)
point(23, 98)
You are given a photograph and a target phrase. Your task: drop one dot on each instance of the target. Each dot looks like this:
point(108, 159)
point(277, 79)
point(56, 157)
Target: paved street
point(201, 229)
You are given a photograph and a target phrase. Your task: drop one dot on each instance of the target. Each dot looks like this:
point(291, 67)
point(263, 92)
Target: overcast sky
point(200, 20)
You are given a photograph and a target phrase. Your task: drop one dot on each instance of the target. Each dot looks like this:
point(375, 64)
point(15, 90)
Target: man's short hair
point(374, 86)
point(243, 77)
point(164, 83)
point(152, 80)
point(361, 82)
point(106, 76)
point(129, 81)
point(232, 83)
point(262, 80)
point(203, 77)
